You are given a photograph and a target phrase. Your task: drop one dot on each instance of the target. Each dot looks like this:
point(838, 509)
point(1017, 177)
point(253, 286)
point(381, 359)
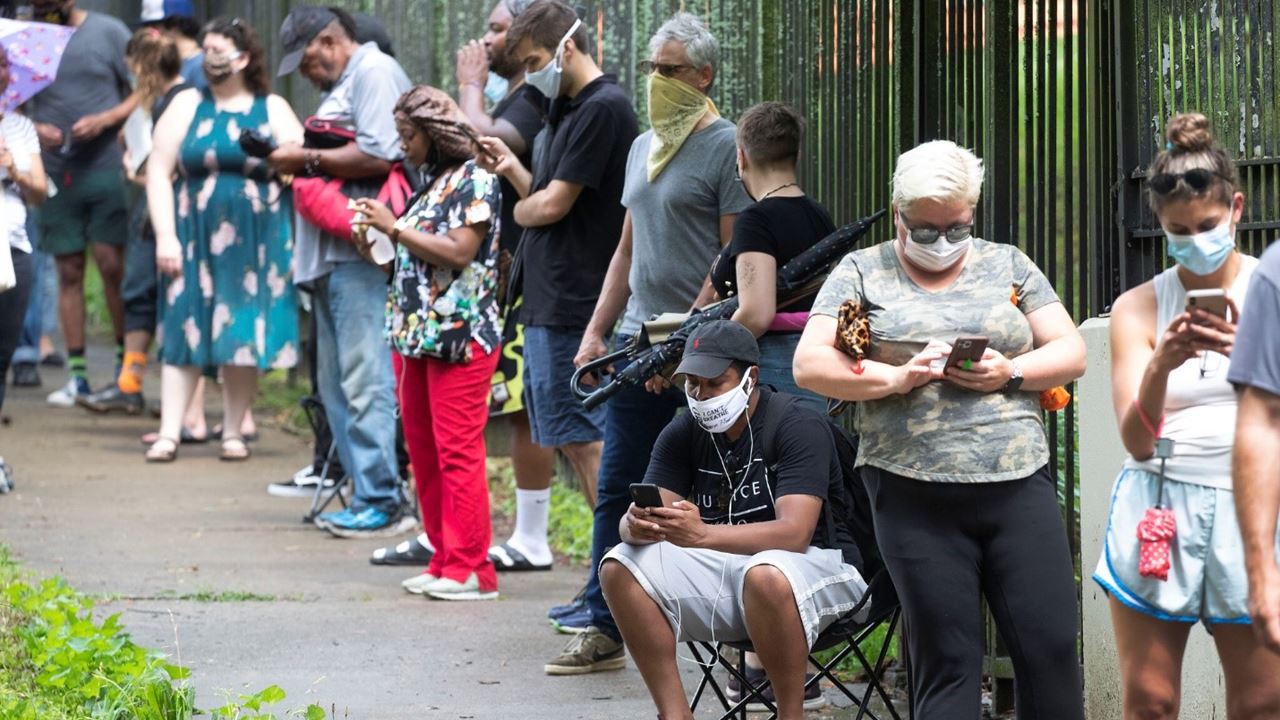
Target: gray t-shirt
point(675, 220)
point(1255, 359)
point(92, 78)
point(942, 432)
point(365, 95)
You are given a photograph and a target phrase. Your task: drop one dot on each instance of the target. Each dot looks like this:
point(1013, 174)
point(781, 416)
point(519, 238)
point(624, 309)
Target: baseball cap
point(300, 27)
point(157, 10)
point(713, 347)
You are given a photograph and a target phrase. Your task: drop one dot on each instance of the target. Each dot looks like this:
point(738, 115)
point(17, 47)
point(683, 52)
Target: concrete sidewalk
point(206, 566)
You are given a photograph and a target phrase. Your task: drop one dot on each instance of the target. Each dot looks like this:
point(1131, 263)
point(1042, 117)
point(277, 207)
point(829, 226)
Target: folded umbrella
point(35, 50)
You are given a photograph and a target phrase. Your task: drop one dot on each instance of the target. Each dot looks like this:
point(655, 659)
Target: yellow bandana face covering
point(675, 108)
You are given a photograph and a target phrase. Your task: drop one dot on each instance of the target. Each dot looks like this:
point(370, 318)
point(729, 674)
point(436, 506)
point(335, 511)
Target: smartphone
point(1213, 301)
point(966, 348)
point(646, 495)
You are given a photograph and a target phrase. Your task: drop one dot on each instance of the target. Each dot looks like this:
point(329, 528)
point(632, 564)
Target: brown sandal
point(158, 453)
point(234, 450)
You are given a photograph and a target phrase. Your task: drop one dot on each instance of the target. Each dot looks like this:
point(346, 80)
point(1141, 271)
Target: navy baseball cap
point(714, 346)
point(299, 28)
point(158, 10)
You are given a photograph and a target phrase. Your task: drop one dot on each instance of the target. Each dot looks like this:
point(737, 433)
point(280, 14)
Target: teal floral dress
point(234, 303)
point(438, 312)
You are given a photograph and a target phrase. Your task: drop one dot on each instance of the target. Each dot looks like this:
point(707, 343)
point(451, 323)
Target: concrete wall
point(1100, 456)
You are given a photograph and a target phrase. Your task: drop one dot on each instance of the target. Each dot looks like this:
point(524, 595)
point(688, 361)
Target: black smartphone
point(646, 495)
point(256, 144)
point(966, 348)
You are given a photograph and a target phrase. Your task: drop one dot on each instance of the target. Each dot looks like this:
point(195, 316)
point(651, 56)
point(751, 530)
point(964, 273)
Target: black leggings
point(947, 545)
point(13, 310)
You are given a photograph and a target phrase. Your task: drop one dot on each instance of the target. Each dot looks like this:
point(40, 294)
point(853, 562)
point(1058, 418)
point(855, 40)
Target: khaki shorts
point(700, 591)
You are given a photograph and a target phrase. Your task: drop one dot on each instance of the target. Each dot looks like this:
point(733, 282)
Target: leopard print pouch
point(853, 329)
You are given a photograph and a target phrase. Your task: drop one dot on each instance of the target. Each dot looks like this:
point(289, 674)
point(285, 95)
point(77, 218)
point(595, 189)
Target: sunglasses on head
point(929, 236)
point(1198, 180)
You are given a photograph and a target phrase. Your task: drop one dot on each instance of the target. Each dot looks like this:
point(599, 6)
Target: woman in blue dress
point(223, 237)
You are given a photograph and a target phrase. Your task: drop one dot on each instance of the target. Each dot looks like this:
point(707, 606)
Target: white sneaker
point(65, 396)
point(302, 484)
point(418, 584)
point(446, 589)
point(6, 477)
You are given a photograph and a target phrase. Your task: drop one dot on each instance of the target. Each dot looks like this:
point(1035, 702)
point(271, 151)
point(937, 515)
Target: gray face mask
point(548, 79)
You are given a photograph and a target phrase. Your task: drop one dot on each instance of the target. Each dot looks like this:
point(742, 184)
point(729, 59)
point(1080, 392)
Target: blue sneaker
point(368, 523)
point(574, 624)
point(342, 517)
point(577, 604)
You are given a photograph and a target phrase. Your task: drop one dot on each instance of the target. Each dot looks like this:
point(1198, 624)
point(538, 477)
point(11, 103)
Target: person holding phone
point(442, 319)
point(1171, 350)
point(737, 548)
point(955, 459)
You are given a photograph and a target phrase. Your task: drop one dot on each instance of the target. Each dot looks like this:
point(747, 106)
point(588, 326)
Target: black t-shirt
point(585, 141)
point(694, 464)
point(523, 109)
point(782, 227)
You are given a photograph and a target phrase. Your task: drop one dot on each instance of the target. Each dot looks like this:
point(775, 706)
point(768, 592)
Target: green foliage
point(278, 396)
point(57, 662)
point(569, 517)
point(849, 668)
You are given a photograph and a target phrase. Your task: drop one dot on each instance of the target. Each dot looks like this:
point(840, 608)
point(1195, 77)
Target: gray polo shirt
point(365, 95)
point(675, 220)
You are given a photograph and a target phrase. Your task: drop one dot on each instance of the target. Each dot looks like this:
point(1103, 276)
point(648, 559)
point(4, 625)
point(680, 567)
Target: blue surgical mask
point(1202, 253)
point(547, 80)
point(496, 88)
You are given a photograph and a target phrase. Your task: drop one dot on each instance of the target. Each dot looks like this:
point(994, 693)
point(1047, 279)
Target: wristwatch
point(1015, 381)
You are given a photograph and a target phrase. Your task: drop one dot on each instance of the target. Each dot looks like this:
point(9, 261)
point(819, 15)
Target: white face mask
point(936, 257)
point(718, 414)
point(547, 80)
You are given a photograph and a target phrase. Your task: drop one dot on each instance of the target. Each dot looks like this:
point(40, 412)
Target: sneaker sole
point(107, 409)
point(462, 596)
point(60, 403)
point(302, 491)
point(617, 663)
point(814, 704)
point(399, 527)
point(568, 629)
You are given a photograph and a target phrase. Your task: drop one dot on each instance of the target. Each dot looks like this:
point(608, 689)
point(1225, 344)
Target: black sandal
point(507, 559)
point(409, 552)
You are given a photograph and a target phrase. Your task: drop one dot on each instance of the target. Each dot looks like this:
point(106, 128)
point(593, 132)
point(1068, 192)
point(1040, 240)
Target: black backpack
point(853, 504)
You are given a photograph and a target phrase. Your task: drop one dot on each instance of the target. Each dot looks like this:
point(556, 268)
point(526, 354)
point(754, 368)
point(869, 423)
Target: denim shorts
point(1207, 581)
point(777, 352)
point(556, 417)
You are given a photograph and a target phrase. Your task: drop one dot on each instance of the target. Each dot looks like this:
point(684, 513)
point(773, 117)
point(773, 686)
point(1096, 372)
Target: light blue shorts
point(1207, 581)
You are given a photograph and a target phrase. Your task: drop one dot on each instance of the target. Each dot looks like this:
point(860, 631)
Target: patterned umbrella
point(34, 50)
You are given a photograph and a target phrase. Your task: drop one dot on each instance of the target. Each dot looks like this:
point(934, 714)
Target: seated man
point(742, 547)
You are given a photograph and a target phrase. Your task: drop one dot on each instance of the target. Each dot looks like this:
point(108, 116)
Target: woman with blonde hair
point(954, 455)
point(1173, 555)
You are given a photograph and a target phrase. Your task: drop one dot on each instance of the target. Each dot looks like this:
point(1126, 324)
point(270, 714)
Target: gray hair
point(515, 7)
point(685, 28)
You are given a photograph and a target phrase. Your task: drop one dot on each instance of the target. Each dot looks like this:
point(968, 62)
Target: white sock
point(530, 536)
point(426, 542)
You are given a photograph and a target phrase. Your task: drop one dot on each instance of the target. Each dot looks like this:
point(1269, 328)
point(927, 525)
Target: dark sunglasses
point(649, 67)
point(1198, 180)
point(929, 236)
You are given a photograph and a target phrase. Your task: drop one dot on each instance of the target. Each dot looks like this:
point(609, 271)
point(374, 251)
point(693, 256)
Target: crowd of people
point(459, 255)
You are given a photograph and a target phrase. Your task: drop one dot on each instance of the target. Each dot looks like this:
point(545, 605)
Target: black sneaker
point(813, 697)
point(54, 360)
point(26, 375)
point(113, 399)
point(302, 484)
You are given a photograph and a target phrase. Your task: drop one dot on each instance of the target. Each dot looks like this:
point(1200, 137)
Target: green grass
point(278, 394)
point(59, 662)
point(849, 668)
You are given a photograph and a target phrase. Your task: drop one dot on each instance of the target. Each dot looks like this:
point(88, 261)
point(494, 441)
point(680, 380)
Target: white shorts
point(700, 591)
point(1207, 581)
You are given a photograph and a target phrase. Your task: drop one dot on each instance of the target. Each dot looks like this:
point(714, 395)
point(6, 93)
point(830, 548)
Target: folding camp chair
point(846, 632)
point(341, 489)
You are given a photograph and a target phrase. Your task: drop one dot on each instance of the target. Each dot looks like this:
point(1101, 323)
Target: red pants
point(444, 407)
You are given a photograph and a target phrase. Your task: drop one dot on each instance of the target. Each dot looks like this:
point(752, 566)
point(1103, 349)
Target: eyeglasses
point(649, 67)
point(929, 236)
point(1197, 180)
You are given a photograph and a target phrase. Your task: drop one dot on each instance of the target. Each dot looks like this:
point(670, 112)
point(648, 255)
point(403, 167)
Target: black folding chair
point(846, 633)
point(340, 489)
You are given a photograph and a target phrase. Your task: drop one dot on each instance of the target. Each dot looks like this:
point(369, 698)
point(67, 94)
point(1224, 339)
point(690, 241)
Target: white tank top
point(1199, 406)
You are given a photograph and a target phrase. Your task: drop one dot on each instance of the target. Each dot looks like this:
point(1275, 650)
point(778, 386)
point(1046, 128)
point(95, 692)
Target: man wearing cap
point(361, 85)
point(742, 547)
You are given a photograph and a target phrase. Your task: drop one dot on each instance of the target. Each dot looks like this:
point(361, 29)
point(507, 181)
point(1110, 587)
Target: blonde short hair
point(939, 170)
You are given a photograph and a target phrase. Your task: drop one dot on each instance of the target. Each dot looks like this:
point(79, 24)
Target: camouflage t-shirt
point(942, 432)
